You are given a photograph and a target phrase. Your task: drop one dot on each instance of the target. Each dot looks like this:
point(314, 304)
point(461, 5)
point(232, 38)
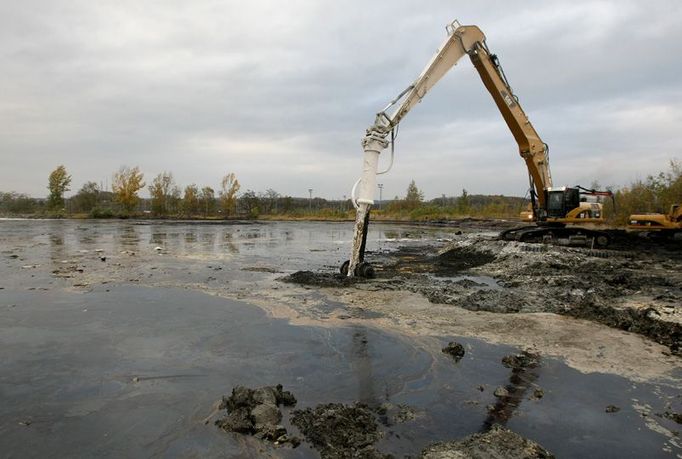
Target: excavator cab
point(560, 201)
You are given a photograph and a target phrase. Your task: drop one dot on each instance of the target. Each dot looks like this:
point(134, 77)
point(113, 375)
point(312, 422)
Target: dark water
point(69, 359)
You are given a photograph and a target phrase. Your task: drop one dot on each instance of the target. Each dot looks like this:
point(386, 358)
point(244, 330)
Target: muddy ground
point(635, 286)
point(614, 311)
point(431, 281)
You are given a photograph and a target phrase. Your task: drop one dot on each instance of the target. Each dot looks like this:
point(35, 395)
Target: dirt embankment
point(636, 287)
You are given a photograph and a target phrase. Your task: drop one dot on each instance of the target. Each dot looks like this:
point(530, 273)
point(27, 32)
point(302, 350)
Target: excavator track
point(571, 236)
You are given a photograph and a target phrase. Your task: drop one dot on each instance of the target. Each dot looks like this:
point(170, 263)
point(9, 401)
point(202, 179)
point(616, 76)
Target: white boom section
point(460, 40)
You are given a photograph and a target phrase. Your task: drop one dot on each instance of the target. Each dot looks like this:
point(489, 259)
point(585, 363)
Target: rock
point(271, 432)
point(254, 412)
point(677, 417)
point(501, 392)
point(284, 397)
point(612, 409)
point(455, 350)
point(538, 394)
point(265, 414)
point(524, 359)
point(265, 395)
point(238, 421)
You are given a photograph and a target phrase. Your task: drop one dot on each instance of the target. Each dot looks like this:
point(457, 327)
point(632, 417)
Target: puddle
point(134, 371)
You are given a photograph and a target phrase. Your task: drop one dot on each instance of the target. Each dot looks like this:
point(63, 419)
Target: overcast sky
point(281, 92)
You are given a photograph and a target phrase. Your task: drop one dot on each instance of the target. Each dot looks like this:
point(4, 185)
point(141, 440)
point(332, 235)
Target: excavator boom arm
point(532, 149)
point(460, 42)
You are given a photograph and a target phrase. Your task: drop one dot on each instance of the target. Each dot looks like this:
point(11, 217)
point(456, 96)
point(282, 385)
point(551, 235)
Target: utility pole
point(381, 191)
point(310, 199)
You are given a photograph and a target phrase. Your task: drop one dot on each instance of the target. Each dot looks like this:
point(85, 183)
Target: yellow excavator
point(669, 224)
point(565, 213)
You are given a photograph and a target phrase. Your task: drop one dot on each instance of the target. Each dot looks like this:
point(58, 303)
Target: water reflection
point(56, 242)
point(127, 237)
point(228, 243)
point(521, 380)
point(361, 364)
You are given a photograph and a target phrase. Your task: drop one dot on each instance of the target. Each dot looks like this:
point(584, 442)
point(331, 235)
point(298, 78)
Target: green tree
point(207, 200)
point(228, 194)
point(17, 203)
point(463, 204)
point(190, 201)
point(414, 196)
point(125, 184)
point(160, 191)
point(58, 184)
point(86, 198)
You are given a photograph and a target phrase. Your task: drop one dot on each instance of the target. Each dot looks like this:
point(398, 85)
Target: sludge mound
point(458, 259)
point(497, 443)
point(524, 359)
point(340, 431)
point(319, 279)
point(454, 350)
point(255, 412)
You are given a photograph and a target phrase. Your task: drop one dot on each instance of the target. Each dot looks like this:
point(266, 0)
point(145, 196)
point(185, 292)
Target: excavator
point(566, 213)
point(658, 225)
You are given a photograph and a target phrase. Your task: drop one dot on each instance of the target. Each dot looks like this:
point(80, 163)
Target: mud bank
point(636, 290)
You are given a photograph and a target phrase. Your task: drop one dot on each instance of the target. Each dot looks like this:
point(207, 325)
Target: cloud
point(281, 94)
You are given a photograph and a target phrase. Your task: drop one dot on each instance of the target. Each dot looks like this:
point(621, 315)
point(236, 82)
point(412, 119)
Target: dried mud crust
point(498, 443)
point(636, 287)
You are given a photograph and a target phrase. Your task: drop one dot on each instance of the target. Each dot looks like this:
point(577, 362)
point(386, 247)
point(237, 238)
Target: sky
point(280, 93)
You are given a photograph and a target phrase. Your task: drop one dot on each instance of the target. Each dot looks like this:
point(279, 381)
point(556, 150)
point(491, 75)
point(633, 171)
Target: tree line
point(167, 199)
